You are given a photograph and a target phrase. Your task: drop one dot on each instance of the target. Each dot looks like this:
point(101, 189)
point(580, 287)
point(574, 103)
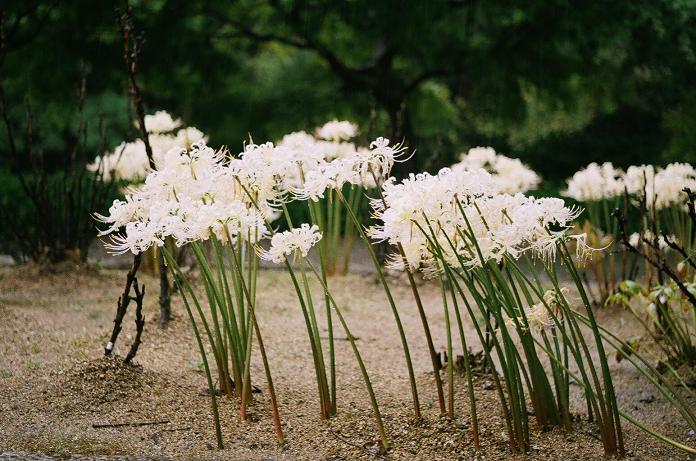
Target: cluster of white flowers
point(198, 193)
point(128, 161)
point(189, 198)
point(510, 174)
point(303, 167)
point(310, 167)
point(293, 242)
point(468, 218)
point(595, 182)
point(662, 187)
point(300, 167)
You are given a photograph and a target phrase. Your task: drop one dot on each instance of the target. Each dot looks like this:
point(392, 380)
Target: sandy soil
point(55, 384)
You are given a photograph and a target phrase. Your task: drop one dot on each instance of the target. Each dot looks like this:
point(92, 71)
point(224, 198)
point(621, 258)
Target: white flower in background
point(636, 239)
point(298, 140)
point(670, 183)
point(595, 182)
point(185, 137)
point(511, 174)
point(129, 161)
point(337, 131)
point(161, 122)
point(640, 179)
point(539, 316)
point(293, 242)
point(661, 187)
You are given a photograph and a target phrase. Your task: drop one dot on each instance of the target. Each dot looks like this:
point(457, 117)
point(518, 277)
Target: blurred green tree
point(554, 82)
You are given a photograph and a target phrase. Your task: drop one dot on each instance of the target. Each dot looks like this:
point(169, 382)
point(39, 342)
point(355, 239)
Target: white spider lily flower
point(316, 182)
point(640, 179)
point(539, 316)
point(186, 137)
point(266, 171)
point(298, 140)
point(662, 187)
point(471, 222)
point(161, 122)
point(138, 237)
point(129, 161)
point(510, 174)
point(120, 213)
point(337, 131)
point(193, 197)
point(290, 243)
point(595, 182)
point(379, 159)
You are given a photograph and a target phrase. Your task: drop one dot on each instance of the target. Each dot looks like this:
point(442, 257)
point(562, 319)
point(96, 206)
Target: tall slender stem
point(361, 364)
point(421, 313)
point(392, 304)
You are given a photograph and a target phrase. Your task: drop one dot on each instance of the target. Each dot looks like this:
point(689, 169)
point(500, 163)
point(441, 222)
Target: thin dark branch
point(139, 320)
point(131, 52)
point(132, 424)
point(676, 247)
point(123, 302)
point(657, 261)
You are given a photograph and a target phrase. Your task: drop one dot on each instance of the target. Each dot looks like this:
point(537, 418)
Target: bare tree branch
point(657, 261)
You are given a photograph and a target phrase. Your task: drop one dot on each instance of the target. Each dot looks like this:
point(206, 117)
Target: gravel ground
point(55, 384)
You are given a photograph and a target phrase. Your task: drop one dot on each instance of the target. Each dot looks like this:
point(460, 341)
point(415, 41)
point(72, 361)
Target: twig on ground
point(130, 424)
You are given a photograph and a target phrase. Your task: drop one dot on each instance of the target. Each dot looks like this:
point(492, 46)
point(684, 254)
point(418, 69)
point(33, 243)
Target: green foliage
point(555, 83)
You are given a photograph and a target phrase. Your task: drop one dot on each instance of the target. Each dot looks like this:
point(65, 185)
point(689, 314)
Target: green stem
point(264, 359)
point(180, 279)
point(361, 364)
point(392, 304)
point(450, 355)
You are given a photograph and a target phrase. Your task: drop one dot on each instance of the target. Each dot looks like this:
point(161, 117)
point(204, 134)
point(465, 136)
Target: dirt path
point(54, 385)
